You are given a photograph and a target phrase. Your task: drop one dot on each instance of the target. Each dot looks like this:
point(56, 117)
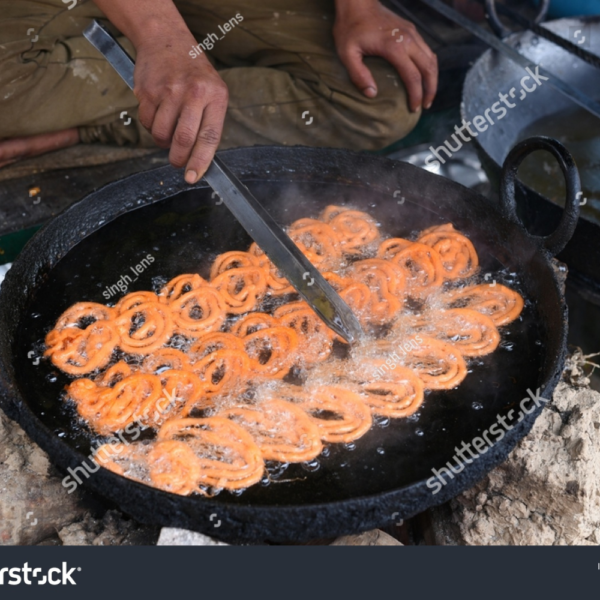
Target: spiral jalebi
point(81, 351)
point(355, 229)
point(241, 288)
point(314, 337)
point(145, 328)
point(214, 366)
point(339, 413)
point(282, 431)
point(227, 454)
point(498, 302)
point(456, 251)
point(201, 310)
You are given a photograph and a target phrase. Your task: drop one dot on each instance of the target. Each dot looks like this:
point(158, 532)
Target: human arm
point(183, 101)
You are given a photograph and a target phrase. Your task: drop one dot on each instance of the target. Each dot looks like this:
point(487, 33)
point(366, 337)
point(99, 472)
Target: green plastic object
point(426, 131)
point(12, 243)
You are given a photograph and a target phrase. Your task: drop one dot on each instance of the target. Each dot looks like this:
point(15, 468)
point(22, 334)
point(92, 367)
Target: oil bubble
point(311, 465)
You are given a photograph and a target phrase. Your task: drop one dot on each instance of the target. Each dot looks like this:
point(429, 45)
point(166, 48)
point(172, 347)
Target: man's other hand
point(366, 28)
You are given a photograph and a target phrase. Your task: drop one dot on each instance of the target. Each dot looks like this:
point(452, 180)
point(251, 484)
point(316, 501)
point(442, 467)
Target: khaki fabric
point(286, 83)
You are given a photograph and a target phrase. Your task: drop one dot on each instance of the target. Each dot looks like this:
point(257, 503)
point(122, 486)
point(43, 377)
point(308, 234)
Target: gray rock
point(546, 493)
point(183, 537)
point(33, 502)
point(35, 508)
point(376, 537)
point(112, 530)
point(171, 536)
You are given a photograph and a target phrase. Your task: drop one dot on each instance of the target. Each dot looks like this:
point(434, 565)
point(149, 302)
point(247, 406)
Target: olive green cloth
point(277, 57)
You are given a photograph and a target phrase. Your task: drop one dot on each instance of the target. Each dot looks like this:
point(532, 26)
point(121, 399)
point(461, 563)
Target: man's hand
point(366, 28)
point(183, 102)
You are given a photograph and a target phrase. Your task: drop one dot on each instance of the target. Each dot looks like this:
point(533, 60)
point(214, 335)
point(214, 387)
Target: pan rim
point(43, 436)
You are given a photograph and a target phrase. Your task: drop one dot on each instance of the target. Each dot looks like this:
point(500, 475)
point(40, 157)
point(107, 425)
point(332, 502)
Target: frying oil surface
point(398, 297)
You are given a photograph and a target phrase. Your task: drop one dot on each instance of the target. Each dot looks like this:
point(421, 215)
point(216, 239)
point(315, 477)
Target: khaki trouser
point(279, 64)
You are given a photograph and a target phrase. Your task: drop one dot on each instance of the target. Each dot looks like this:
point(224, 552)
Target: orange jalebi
point(458, 255)
point(253, 322)
point(314, 337)
point(109, 409)
point(422, 264)
point(277, 284)
point(331, 211)
point(198, 311)
point(86, 395)
point(174, 467)
point(165, 358)
point(318, 241)
point(386, 282)
point(199, 364)
point(354, 228)
point(223, 370)
point(272, 351)
point(135, 299)
point(81, 351)
point(438, 364)
point(395, 399)
point(180, 388)
point(179, 286)
point(241, 288)
point(228, 456)
point(385, 387)
point(390, 248)
point(281, 430)
point(144, 328)
point(471, 332)
point(84, 311)
point(498, 302)
point(208, 343)
point(355, 294)
point(232, 260)
point(339, 413)
point(114, 374)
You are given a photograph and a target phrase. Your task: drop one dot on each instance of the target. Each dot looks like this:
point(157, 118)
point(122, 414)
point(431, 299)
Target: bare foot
point(15, 149)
